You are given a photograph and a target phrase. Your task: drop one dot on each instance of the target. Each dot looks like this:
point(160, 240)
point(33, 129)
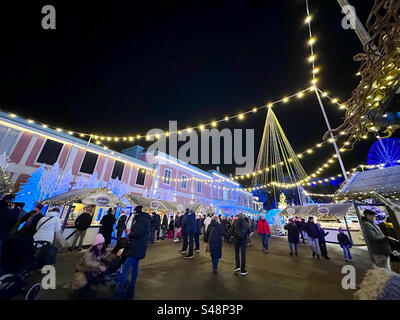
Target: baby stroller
point(23, 258)
point(114, 265)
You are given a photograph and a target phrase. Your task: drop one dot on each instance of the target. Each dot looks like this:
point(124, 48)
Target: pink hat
point(99, 240)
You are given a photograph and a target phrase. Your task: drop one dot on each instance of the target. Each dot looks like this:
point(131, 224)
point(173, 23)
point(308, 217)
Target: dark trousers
point(197, 241)
point(324, 251)
point(119, 233)
point(240, 263)
point(152, 232)
point(188, 239)
point(158, 233)
point(215, 263)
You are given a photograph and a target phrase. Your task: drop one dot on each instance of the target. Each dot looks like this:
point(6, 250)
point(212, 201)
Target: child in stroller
point(97, 266)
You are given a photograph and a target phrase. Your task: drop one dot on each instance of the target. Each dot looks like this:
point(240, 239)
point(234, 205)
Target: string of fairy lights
point(100, 139)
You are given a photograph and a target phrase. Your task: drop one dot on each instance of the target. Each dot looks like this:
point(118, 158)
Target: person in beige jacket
point(90, 263)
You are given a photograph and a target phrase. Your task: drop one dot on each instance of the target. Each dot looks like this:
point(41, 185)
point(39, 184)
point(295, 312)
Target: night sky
point(123, 67)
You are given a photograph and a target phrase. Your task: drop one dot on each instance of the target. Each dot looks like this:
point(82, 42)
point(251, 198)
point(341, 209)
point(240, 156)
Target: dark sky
point(123, 67)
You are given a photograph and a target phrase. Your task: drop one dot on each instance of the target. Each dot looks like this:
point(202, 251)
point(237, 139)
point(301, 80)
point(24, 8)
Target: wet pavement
point(165, 275)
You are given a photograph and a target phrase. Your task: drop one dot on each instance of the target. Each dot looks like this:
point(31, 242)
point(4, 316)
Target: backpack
point(239, 233)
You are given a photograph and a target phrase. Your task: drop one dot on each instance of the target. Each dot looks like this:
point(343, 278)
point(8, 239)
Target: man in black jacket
point(188, 230)
point(107, 226)
point(154, 226)
point(137, 237)
point(121, 224)
point(240, 231)
point(312, 233)
point(82, 223)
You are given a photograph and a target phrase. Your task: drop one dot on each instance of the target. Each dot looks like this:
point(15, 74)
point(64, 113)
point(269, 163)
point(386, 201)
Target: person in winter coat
point(30, 220)
point(107, 226)
point(48, 225)
point(207, 221)
point(177, 225)
point(138, 238)
point(154, 226)
point(293, 236)
point(197, 232)
point(240, 231)
point(378, 242)
point(82, 223)
point(188, 230)
point(213, 237)
point(264, 231)
point(90, 264)
point(299, 227)
point(302, 229)
point(171, 227)
point(345, 244)
point(312, 233)
point(8, 217)
point(322, 243)
point(121, 224)
point(164, 226)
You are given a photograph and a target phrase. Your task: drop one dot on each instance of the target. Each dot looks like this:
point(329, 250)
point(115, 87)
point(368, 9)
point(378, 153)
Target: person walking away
point(157, 225)
point(164, 226)
point(239, 231)
point(378, 242)
point(138, 238)
point(264, 231)
point(171, 228)
point(312, 233)
point(299, 227)
point(188, 229)
point(207, 221)
point(197, 232)
point(293, 236)
point(322, 243)
point(177, 225)
point(82, 223)
point(107, 226)
point(203, 227)
point(213, 238)
point(90, 264)
point(303, 229)
point(153, 227)
point(345, 244)
point(121, 224)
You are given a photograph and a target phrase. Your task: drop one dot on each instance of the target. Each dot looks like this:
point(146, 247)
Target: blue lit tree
point(64, 185)
point(31, 191)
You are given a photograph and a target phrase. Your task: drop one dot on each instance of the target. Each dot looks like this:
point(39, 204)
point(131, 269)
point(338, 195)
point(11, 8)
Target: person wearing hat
point(239, 231)
point(82, 223)
point(137, 245)
point(90, 264)
point(378, 242)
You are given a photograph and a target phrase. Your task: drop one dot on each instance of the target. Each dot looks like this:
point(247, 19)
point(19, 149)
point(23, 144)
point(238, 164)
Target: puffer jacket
point(47, 227)
point(88, 262)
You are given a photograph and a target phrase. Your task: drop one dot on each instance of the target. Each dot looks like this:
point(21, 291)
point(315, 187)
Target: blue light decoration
point(385, 151)
point(270, 216)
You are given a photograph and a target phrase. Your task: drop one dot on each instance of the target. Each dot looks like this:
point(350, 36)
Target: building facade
point(28, 146)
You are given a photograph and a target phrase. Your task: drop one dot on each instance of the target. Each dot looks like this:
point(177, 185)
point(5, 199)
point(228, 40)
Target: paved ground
point(165, 274)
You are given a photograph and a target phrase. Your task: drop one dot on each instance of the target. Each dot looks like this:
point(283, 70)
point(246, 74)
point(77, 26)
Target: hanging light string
point(318, 194)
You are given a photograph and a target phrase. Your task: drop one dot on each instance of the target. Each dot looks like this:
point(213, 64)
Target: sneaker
point(237, 270)
point(176, 240)
point(197, 250)
point(313, 254)
point(295, 254)
point(215, 271)
point(244, 273)
point(189, 257)
point(327, 258)
point(318, 257)
point(183, 252)
point(290, 254)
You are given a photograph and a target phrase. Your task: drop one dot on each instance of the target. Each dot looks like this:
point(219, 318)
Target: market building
point(28, 145)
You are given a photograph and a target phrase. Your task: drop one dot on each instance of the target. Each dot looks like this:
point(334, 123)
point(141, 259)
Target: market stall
point(331, 217)
point(377, 190)
point(96, 201)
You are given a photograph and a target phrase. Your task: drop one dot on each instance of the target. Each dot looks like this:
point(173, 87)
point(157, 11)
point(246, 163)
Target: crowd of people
point(19, 229)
